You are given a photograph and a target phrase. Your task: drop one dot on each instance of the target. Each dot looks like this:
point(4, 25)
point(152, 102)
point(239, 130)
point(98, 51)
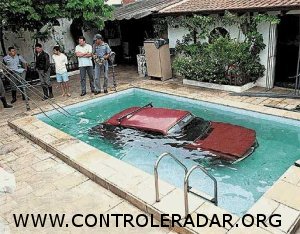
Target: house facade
point(133, 23)
point(280, 65)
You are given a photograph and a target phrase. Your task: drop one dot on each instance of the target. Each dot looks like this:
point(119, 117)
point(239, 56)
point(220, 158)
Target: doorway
point(287, 50)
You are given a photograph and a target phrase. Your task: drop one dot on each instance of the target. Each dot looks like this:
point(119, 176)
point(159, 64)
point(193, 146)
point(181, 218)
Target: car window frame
point(181, 127)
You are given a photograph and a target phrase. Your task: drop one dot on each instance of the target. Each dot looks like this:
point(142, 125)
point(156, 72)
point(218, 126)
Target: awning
point(141, 9)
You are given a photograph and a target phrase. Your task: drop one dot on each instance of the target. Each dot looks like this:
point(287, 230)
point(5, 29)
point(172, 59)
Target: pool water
point(240, 185)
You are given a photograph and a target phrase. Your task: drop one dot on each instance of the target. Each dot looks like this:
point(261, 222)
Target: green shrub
point(215, 62)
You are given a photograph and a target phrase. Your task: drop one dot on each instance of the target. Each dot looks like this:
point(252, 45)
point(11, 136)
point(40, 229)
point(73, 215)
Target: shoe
point(5, 105)
point(50, 92)
point(105, 91)
point(14, 96)
point(97, 92)
point(45, 91)
point(83, 93)
point(23, 96)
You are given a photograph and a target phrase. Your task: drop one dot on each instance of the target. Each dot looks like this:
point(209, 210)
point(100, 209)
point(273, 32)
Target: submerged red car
point(223, 140)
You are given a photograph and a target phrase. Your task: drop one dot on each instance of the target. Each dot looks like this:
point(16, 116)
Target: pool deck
point(51, 180)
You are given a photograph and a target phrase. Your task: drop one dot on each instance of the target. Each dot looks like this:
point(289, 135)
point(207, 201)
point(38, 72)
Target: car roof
point(152, 119)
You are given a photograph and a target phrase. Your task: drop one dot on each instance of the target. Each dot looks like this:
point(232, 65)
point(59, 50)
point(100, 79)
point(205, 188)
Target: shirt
point(84, 62)
point(14, 63)
point(42, 61)
point(101, 50)
point(60, 63)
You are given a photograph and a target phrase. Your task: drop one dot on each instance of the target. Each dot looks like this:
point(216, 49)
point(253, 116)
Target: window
point(218, 32)
point(181, 124)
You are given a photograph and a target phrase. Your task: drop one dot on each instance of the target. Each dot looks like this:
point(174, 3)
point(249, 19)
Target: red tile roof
point(140, 9)
point(190, 6)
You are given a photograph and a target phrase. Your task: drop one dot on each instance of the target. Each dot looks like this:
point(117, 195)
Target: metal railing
point(187, 188)
point(26, 87)
point(156, 171)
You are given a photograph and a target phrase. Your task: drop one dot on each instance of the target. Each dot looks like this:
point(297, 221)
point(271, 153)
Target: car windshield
point(177, 128)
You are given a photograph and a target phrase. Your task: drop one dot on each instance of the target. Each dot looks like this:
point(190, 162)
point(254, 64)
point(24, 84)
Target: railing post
point(156, 185)
point(186, 187)
point(186, 199)
point(156, 171)
point(186, 181)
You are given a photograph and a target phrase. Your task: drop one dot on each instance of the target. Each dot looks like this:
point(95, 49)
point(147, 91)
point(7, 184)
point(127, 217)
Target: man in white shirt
point(60, 61)
point(84, 53)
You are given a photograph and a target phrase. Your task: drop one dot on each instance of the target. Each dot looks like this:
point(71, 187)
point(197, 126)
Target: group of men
point(17, 67)
point(100, 51)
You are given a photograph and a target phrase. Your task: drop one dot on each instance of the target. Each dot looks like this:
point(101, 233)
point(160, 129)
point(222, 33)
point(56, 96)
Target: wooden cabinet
point(158, 60)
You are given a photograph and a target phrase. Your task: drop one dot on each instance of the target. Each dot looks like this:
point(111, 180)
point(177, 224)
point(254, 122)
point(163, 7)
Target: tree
point(32, 15)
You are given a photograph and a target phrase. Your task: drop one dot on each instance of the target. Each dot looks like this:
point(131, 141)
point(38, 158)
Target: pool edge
point(44, 134)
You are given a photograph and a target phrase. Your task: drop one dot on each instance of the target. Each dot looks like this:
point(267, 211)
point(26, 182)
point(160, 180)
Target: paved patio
point(46, 184)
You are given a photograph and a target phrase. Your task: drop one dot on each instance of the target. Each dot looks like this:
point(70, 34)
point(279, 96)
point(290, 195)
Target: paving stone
point(284, 192)
point(289, 217)
point(167, 203)
point(70, 181)
point(44, 165)
point(292, 175)
point(211, 210)
point(263, 206)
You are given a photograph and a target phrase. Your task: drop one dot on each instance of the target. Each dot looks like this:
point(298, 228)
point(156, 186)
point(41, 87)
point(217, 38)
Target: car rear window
point(177, 128)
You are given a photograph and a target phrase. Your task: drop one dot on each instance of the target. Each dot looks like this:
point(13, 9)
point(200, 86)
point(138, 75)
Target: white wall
point(175, 34)
point(24, 43)
point(264, 29)
point(114, 2)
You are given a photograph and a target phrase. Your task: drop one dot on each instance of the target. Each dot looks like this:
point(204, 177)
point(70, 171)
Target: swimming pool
point(239, 185)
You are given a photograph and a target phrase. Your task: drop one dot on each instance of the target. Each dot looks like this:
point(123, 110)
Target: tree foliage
point(32, 15)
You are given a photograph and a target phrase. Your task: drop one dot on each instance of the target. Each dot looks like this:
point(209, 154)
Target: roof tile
point(188, 6)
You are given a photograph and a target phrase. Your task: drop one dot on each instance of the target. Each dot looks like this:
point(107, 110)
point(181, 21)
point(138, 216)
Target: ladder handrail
point(186, 187)
point(30, 87)
point(156, 171)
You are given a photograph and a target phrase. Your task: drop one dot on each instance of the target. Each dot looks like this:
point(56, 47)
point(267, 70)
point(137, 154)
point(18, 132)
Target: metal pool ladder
point(187, 188)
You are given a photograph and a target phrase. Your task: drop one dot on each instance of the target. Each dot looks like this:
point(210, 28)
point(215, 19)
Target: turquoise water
point(239, 185)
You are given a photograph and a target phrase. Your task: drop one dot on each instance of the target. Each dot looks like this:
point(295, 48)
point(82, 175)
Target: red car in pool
point(223, 140)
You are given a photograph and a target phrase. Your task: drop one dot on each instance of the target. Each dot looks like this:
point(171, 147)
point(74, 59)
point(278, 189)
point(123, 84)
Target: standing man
point(18, 66)
point(84, 53)
point(43, 68)
point(101, 51)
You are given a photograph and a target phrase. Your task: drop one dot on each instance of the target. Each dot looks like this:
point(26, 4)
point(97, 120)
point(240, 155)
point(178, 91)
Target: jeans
point(89, 71)
point(45, 78)
point(2, 90)
point(98, 70)
point(17, 79)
